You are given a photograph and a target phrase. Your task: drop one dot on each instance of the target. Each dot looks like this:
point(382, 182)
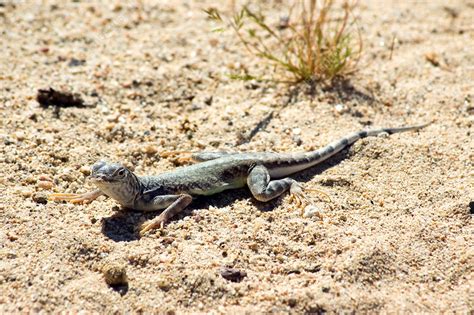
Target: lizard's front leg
point(173, 204)
point(76, 198)
point(264, 189)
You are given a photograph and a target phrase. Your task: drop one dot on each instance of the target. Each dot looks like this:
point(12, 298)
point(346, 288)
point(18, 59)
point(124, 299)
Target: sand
point(397, 236)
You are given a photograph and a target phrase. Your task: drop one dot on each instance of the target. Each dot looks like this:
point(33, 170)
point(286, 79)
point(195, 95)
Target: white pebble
point(20, 135)
point(311, 211)
point(339, 108)
point(296, 131)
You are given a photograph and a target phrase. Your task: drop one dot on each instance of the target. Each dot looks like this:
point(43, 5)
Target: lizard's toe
point(150, 225)
point(63, 197)
point(297, 196)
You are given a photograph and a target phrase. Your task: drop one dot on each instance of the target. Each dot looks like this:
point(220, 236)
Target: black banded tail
point(305, 160)
point(336, 146)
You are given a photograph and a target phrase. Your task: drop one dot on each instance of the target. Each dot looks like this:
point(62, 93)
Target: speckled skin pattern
point(218, 171)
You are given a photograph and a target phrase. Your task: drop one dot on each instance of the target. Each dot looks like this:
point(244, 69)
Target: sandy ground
point(397, 237)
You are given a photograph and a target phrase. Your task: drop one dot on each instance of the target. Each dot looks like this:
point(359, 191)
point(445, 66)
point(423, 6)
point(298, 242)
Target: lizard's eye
point(121, 172)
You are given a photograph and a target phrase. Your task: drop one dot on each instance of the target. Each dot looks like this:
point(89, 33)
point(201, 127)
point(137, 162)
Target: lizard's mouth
point(100, 179)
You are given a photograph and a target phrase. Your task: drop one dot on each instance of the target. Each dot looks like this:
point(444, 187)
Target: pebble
point(40, 197)
point(296, 131)
point(233, 275)
point(339, 108)
point(85, 170)
point(68, 177)
point(20, 135)
point(12, 236)
point(163, 284)
point(45, 177)
point(115, 274)
point(253, 246)
point(311, 211)
point(43, 184)
point(26, 193)
point(150, 149)
point(110, 126)
point(30, 180)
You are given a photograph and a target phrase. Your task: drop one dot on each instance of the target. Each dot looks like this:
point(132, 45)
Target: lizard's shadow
point(122, 226)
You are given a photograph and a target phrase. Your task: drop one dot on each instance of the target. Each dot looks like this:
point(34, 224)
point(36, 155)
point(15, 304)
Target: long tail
point(336, 146)
point(340, 144)
point(300, 161)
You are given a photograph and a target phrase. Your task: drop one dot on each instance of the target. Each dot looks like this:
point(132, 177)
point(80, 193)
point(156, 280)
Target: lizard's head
point(115, 180)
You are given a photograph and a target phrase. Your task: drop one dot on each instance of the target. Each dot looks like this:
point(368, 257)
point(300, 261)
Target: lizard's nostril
point(98, 177)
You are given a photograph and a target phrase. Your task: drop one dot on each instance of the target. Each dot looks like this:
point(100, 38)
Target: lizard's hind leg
point(265, 189)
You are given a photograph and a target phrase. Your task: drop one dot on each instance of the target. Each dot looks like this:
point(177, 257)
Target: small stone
point(85, 170)
point(45, 177)
point(30, 180)
point(150, 149)
point(67, 177)
point(43, 184)
point(292, 302)
point(339, 108)
point(296, 131)
point(311, 211)
point(110, 126)
point(12, 236)
point(75, 62)
point(127, 84)
point(297, 140)
point(26, 193)
point(233, 275)
point(163, 284)
point(20, 135)
point(40, 197)
point(208, 100)
point(115, 274)
point(113, 118)
point(253, 246)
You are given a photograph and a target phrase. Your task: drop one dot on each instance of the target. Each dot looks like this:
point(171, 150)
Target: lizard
point(265, 174)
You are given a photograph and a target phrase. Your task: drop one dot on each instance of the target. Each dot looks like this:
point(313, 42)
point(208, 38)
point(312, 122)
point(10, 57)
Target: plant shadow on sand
point(123, 225)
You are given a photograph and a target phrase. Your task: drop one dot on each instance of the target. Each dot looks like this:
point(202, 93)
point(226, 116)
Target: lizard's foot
point(320, 192)
point(297, 195)
point(151, 225)
point(76, 198)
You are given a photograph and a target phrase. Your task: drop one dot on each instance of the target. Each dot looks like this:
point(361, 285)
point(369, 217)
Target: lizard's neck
point(125, 192)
